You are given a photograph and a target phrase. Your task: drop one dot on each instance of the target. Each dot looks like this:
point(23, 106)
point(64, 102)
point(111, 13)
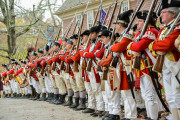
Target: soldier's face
point(94, 35)
point(64, 43)
point(140, 24)
point(85, 38)
point(68, 46)
point(118, 27)
point(33, 56)
point(30, 55)
point(166, 16)
point(55, 47)
point(105, 39)
point(39, 54)
point(74, 41)
point(45, 52)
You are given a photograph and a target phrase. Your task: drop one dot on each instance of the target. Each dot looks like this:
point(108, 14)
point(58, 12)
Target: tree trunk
point(11, 29)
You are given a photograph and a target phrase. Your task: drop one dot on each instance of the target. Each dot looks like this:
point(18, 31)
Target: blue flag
point(103, 15)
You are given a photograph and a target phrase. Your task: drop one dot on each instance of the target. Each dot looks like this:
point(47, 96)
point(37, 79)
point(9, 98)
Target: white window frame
point(123, 7)
point(88, 19)
point(77, 27)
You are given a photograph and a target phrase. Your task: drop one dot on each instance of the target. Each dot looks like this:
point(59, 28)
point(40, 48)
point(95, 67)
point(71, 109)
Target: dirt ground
point(24, 109)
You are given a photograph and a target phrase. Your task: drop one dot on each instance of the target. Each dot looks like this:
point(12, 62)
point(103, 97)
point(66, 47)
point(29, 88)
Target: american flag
point(103, 15)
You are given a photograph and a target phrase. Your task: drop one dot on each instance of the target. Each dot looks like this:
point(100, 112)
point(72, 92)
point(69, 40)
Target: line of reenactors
point(115, 69)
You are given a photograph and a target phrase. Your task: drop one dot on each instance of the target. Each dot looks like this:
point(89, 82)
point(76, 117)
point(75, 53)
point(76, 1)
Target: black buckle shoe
point(88, 110)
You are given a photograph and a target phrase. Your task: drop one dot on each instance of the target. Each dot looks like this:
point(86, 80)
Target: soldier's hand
point(160, 52)
point(134, 53)
point(104, 69)
point(177, 43)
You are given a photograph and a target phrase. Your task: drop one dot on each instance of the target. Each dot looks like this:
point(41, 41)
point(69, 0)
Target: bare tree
point(8, 18)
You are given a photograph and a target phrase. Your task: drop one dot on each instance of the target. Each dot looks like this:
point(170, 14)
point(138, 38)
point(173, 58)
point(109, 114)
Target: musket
point(59, 30)
point(105, 72)
point(70, 27)
point(112, 14)
point(75, 63)
point(157, 67)
point(136, 63)
point(78, 43)
point(116, 58)
point(67, 64)
point(75, 27)
point(83, 66)
point(89, 64)
point(56, 39)
point(79, 38)
point(66, 34)
point(98, 66)
point(54, 63)
point(146, 60)
point(107, 13)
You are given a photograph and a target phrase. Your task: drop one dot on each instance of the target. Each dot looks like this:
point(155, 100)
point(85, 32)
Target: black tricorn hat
point(34, 53)
point(23, 61)
point(103, 28)
point(56, 44)
point(105, 33)
point(12, 59)
point(4, 65)
point(40, 51)
point(124, 17)
point(16, 63)
point(171, 3)
point(116, 35)
point(75, 36)
point(167, 4)
point(46, 47)
point(95, 29)
point(143, 14)
point(20, 59)
point(86, 32)
point(70, 42)
point(65, 39)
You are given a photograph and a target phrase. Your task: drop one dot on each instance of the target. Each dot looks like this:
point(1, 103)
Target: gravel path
point(24, 109)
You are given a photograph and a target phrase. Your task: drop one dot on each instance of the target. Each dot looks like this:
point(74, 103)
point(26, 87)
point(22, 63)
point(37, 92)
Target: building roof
point(71, 3)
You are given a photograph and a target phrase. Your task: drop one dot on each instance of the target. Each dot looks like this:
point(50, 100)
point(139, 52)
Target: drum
point(24, 81)
point(18, 79)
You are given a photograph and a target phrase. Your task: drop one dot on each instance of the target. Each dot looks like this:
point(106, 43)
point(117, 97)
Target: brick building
point(71, 8)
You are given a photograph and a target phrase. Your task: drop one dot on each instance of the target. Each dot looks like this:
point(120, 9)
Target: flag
point(103, 15)
point(107, 20)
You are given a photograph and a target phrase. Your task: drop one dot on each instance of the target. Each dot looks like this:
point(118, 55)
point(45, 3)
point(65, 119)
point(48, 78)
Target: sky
point(28, 4)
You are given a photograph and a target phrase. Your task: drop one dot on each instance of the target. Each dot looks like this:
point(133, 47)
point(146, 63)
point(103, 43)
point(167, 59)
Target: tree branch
point(26, 29)
point(4, 56)
point(5, 50)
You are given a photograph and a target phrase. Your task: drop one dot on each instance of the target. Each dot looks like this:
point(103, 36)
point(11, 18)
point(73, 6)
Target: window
point(90, 18)
point(125, 6)
point(79, 19)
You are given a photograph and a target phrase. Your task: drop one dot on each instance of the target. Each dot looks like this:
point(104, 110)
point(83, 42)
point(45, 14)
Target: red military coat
point(122, 48)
